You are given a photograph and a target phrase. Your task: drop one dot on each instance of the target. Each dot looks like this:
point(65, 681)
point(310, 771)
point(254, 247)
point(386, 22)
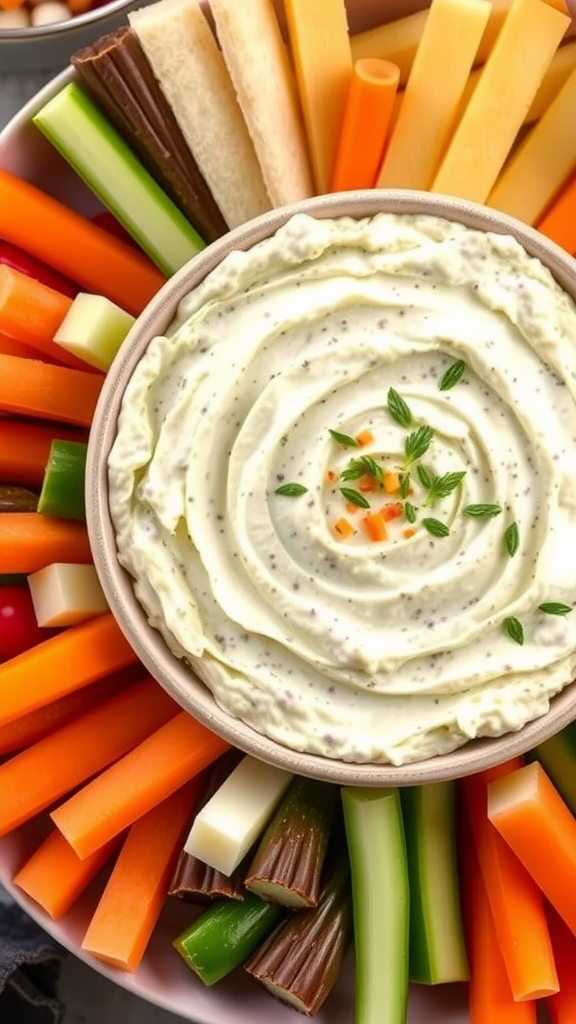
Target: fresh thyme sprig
point(442, 486)
point(416, 445)
point(364, 466)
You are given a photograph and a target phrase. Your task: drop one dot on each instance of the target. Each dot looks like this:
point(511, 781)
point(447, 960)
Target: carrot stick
point(559, 223)
point(32, 312)
point(365, 124)
point(130, 905)
point(24, 449)
point(10, 5)
point(40, 775)
point(34, 726)
point(54, 876)
point(137, 783)
point(30, 541)
point(561, 1005)
point(75, 246)
point(11, 347)
point(67, 662)
point(29, 387)
point(531, 816)
point(515, 900)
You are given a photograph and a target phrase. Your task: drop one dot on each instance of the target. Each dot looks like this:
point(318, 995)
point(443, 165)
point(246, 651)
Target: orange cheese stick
point(54, 876)
point(365, 124)
point(24, 449)
point(559, 223)
point(34, 726)
point(515, 899)
point(562, 1005)
point(30, 387)
point(130, 905)
point(32, 312)
point(40, 775)
point(138, 782)
point(531, 816)
point(67, 662)
point(76, 247)
point(30, 541)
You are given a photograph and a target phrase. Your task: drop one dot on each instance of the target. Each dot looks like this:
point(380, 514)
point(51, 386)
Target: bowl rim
point(61, 28)
point(173, 674)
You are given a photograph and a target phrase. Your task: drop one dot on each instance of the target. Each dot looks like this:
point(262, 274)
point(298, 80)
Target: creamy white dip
point(363, 650)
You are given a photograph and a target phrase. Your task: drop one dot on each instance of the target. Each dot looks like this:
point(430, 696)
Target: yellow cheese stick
point(542, 163)
point(509, 82)
point(318, 32)
point(433, 93)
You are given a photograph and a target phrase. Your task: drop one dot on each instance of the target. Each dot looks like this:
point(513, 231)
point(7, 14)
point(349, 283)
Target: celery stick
point(437, 949)
point(380, 900)
point(62, 491)
point(99, 155)
point(558, 757)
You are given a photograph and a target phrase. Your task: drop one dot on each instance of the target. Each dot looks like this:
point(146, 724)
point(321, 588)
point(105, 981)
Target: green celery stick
point(62, 491)
point(99, 155)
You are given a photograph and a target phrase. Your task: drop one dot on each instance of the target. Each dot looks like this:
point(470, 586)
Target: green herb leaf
point(404, 485)
point(511, 539)
point(291, 490)
point(398, 408)
point(345, 439)
point(410, 512)
point(424, 476)
point(452, 375)
point(354, 497)
point(482, 511)
point(364, 466)
point(514, 628)
point(417, 444)
point(442, 486)
point(435, 527)
point(555, 608)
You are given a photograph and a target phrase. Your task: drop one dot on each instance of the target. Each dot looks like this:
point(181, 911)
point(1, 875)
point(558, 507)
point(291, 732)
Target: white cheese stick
point(184, 56)
point(64, 594)
point(227, 826)
point(93, 329)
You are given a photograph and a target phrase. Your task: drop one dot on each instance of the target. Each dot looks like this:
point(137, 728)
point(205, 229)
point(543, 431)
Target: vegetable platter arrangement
point(123, 821)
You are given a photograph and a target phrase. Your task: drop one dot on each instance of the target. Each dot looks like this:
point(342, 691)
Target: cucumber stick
point(558, 758)
point(437, 948)
point(99, 155)
point(62, 491)
point(380, 900)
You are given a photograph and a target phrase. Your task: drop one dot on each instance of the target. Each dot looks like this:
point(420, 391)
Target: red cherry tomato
point(18, 627)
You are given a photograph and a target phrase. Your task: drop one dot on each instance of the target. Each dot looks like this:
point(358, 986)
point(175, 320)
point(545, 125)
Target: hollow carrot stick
point(531, 816)
point(67, 662)
point(124, 919)
point(30, 541)
point(24, 448)
point(365, 124)
point(32, 312)
point(561, 1005)
point(74, 246)
point(54, 876)
point(515, 900)
point(559, 223)
point(23, 732)
point(29, 387)
point(44, 772)
point(138, 782)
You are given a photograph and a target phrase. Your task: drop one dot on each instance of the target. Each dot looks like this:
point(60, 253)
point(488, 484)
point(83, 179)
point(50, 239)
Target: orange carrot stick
point(11, 347)
point(30, 387)
point(40, 775)
point(10, 5)
point(76, 247)
point(559, 223)
point(561, 1005)
point(130, 905)
point(30, 541)
point(515, 899)
point(32, 312)
point(54, 876)
point(531, 816)
point(24, 449)
point(138, 782)
point(23, 732)
point(67, 662)
point(365, 124)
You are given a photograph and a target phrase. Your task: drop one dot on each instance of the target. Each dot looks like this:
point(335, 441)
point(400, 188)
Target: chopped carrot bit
point(375, 526)
point(367, 483)
point(391, 482)
point(392, 511)
point(343, 528)
point(351, 508)
point(331, 476)
point(409, 532)
point(365, 437)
